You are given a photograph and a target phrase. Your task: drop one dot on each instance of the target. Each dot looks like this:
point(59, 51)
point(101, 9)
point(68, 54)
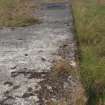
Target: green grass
point(17, 12)
point(90, 26)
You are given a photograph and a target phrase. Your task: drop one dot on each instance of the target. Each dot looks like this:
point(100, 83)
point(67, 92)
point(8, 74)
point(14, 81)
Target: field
point(17, 12)
point(90, 28)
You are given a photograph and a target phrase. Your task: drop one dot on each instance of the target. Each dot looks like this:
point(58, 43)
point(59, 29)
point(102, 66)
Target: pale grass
point(18, 12)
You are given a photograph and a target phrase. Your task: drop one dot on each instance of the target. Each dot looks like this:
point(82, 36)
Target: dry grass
point(17, 12)
point(62, 66)
point(61, 102)
point(77, 96)
point(102, 2)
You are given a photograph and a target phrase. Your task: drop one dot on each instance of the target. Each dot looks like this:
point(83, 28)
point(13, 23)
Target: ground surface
point(27, 55)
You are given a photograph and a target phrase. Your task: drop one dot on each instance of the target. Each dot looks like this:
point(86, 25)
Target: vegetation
point(17, 12)
point(90, 26)
point(62, 66)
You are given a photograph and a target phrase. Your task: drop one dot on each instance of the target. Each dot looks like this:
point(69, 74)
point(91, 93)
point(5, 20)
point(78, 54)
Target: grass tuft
point(62, 66)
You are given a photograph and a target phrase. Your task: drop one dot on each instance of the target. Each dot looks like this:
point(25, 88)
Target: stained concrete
point(28, 53)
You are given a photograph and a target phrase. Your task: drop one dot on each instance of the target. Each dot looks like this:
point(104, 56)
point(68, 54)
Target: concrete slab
point(27, 54)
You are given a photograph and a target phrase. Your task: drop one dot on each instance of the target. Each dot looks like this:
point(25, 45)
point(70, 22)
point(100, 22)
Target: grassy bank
point(90, 26)
point(17, 12)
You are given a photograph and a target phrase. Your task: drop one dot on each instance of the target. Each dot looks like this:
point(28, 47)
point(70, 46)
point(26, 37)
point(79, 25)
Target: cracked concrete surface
point(27, 55)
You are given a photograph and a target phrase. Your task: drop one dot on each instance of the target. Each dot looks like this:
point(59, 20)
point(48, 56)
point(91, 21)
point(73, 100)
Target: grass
point(61, 102)
point(62, 66)
point(17, 12)
point(90, 26)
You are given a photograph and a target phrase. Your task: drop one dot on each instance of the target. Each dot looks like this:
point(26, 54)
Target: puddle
point(56, 6)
